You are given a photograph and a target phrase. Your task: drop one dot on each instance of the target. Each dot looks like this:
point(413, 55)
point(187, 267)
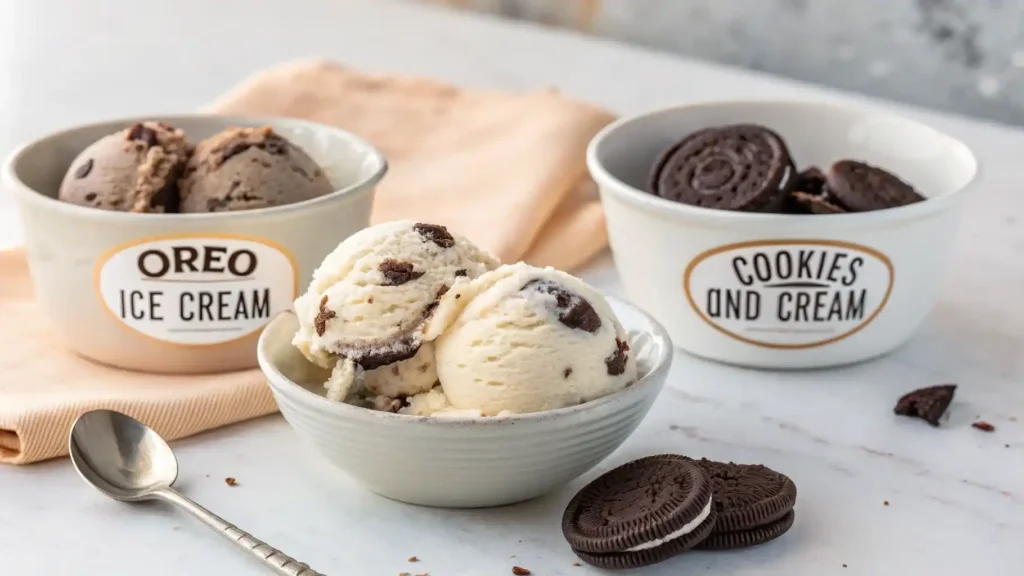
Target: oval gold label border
point(801, 242)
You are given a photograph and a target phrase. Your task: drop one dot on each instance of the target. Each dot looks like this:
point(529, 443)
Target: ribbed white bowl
point(463, 462)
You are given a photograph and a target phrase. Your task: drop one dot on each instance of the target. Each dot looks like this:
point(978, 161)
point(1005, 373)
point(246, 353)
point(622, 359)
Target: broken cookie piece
point(928, 404)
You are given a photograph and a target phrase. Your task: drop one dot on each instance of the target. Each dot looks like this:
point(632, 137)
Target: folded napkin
point(506, 170)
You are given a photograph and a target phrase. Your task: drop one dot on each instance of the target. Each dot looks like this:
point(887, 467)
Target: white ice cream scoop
point(369, 298)
point(526, 339)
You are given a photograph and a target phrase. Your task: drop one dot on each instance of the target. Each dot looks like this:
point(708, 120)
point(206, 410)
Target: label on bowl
point(197, 290)
point(789, 293)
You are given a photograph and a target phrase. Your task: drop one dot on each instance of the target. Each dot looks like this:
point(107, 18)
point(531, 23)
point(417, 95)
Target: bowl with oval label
point(185, 292)
point(772, 286)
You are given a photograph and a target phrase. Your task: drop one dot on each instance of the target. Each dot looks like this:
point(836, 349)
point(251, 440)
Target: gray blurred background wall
point(963, 56)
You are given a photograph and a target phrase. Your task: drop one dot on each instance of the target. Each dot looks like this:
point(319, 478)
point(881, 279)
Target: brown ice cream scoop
point(248, 168)
point(134, 170)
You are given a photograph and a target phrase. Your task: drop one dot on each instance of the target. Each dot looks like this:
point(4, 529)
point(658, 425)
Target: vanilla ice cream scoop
point(525, 339)
point(370, 297)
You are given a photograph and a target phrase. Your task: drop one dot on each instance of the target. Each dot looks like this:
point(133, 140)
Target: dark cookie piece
point(320, 322)
point(861, 187)
point(573, 310)
point(374, 354)
point(741, 167)
point(616, 363)
point(83, 170)
point(398, 272)
point(928, 404)
point(815, 204)
point(748, 496)
point(461, 272)
point(747, 538)
point(811, 181)
point(623, 518)
point(141, 133)
point(437, 234)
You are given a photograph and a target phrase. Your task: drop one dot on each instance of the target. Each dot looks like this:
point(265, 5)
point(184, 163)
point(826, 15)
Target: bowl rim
point(10, 176)
point(645, 385)
point(677, 211)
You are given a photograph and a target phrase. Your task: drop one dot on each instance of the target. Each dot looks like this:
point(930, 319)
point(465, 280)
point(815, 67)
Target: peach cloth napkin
point(506, 170)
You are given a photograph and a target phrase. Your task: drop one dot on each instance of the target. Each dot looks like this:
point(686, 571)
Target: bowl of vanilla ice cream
point(423, 368)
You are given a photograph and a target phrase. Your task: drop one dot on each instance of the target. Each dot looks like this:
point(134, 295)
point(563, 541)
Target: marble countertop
point(955, 494)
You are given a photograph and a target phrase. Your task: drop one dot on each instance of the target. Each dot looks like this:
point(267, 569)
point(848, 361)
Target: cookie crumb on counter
point(983, 426)
point(231, 481)
point(577, 564)
point(413, 559)
point(885, 503)
point(520, 571)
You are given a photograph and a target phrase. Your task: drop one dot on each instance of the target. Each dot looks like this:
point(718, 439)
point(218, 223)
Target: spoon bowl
point(120, 456)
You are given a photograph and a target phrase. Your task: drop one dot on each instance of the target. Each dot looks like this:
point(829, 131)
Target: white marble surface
point(956, 494)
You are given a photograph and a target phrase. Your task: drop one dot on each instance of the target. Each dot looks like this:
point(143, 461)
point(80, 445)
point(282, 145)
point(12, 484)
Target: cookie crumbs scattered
point(577, 564)
point(520, 571)
point(983, 426)
point(885, 503)
point(423, 574)
point(230, 481)
point(404, 574)
point(413, 559)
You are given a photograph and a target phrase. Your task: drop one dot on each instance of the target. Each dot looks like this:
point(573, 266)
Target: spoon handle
point(279, 561)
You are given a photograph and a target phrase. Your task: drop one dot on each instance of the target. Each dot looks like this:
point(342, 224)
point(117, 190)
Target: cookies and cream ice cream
point(248, 168)
point(413, 320)
point(134, 170)
point(526, 339)
point(368, 300)
point(150, 167)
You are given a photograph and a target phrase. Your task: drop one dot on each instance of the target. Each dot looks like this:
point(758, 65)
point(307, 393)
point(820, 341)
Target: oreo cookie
point(743, 167)
point(754, 504)
point(863, 188)
point(641, 513)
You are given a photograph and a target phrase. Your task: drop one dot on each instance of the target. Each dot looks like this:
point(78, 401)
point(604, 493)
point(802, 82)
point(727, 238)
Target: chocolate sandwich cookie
point(754, 504)
point(743, 167)
point(861, 187)
point(640, 513)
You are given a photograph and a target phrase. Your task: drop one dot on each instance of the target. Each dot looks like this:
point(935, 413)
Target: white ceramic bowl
point(88, 264)
point(777, 290)
point(463, 463)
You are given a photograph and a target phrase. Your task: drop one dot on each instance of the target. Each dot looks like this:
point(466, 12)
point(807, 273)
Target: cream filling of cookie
point(686, 529)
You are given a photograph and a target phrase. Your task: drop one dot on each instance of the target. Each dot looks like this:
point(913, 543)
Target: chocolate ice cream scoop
point(248, 168)
point(134, 170)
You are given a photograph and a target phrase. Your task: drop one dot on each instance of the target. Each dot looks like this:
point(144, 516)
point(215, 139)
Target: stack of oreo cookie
point(652, 509)
point(748, 168)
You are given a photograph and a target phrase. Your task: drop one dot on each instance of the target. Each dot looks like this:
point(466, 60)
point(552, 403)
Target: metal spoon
point(126, 460)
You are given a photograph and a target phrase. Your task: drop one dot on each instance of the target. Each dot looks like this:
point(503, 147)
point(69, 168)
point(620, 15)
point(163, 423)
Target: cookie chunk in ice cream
point(525, 339)
point(370, 297)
